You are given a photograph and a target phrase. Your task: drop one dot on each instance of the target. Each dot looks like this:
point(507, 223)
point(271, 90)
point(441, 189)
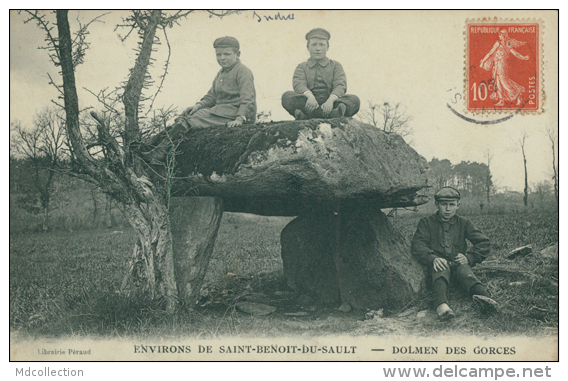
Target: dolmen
point(335, 175)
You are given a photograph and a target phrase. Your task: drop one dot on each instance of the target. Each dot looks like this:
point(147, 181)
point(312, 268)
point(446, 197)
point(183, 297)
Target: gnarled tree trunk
point(151, 266)
point(144, 197)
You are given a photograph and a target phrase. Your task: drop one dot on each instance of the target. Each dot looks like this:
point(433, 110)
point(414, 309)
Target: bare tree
point(488, 176)
point(553, 136)
point(521, 142)
point(388, 117)
point(42, 146)
point(142, 191)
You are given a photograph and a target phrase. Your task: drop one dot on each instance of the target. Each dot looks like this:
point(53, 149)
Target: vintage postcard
point(289, 185)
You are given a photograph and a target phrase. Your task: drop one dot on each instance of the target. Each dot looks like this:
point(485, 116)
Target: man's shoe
point(339, 111)
point(445, 312)
point(485, 304)
point(157, 154)
point(299, 115)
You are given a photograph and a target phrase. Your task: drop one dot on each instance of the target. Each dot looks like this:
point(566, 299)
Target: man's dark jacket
point(437, 238)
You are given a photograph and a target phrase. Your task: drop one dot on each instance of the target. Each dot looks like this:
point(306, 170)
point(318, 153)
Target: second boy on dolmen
point(319, 84)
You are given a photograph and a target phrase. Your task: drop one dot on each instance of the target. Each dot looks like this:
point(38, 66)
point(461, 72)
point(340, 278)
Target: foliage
point(442, 171)
point(264, 117)
point(470, 178)
point(37, 154)
point(388, 117)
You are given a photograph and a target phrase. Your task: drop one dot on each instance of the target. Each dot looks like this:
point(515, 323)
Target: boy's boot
point(485, 304)
point(445, 312)
point(482, 300)
point(299, 115)
point(339, 111)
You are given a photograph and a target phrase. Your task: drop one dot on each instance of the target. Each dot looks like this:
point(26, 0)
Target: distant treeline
point(475, 182)
point(67, 203)
point(470, 178)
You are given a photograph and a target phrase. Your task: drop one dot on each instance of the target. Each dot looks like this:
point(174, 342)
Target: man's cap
point(447, 194)
point(318, 33)
point(226, 42)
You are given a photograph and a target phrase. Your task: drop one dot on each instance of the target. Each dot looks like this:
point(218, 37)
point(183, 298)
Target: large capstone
point(296, 167)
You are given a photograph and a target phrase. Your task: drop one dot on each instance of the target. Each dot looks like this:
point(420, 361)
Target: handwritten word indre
point(277, 16)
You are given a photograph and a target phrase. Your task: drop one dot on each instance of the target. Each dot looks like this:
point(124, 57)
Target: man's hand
point(192, 110)
point(235, 123)
point(327, 107)
point(461, 259)
point(440, 264)
point(311, 104)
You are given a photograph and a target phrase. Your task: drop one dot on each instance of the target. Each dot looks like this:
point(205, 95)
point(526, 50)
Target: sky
point(415, 58)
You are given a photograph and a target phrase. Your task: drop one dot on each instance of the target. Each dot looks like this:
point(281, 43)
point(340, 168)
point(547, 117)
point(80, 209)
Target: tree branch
point(70, 94)
point(135, 84)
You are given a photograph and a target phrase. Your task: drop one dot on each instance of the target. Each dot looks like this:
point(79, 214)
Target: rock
point(288, 168)
point(371, 315)
point(258, 298)
point(352, 257)
point(550, 252)
point(520, 252)
point(285, 294)
point(345, 307)
point(194, 222)
point(257, 309)
point(406, 313)
point(301, 313)
point(304, 300)
point(422, 314)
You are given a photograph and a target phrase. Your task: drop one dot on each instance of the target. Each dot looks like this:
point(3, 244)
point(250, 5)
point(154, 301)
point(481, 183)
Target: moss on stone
point(223, 149)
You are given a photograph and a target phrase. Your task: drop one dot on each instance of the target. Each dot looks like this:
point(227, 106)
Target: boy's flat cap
point(226, 42)
point(447, 194)
point(318, 33)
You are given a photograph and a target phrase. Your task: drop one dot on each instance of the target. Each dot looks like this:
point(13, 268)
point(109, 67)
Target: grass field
point(65, 284)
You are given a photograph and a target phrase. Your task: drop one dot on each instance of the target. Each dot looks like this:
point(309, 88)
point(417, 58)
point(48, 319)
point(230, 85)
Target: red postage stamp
point(503, 66)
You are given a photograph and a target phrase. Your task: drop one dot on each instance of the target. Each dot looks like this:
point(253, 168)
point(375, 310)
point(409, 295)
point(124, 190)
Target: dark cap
point(318, 33)
point(447, 194)
point(226, 42)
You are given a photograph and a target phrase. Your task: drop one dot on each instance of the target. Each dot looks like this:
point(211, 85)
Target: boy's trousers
point(461, 273)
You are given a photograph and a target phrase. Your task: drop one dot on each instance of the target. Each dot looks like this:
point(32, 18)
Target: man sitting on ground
point(440, 244)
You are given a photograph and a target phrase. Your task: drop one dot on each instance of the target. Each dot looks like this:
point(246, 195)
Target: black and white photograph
point(284, 185)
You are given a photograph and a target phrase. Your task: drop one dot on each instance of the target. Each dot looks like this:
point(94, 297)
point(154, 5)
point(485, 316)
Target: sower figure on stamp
point(498, 59)
point(319, 84)
point(440, 244)
point(231, 101)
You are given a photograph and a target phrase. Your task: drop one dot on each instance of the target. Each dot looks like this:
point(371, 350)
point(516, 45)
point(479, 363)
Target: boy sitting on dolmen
point(230, 102)
point(440, 244)
point(319, 84)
